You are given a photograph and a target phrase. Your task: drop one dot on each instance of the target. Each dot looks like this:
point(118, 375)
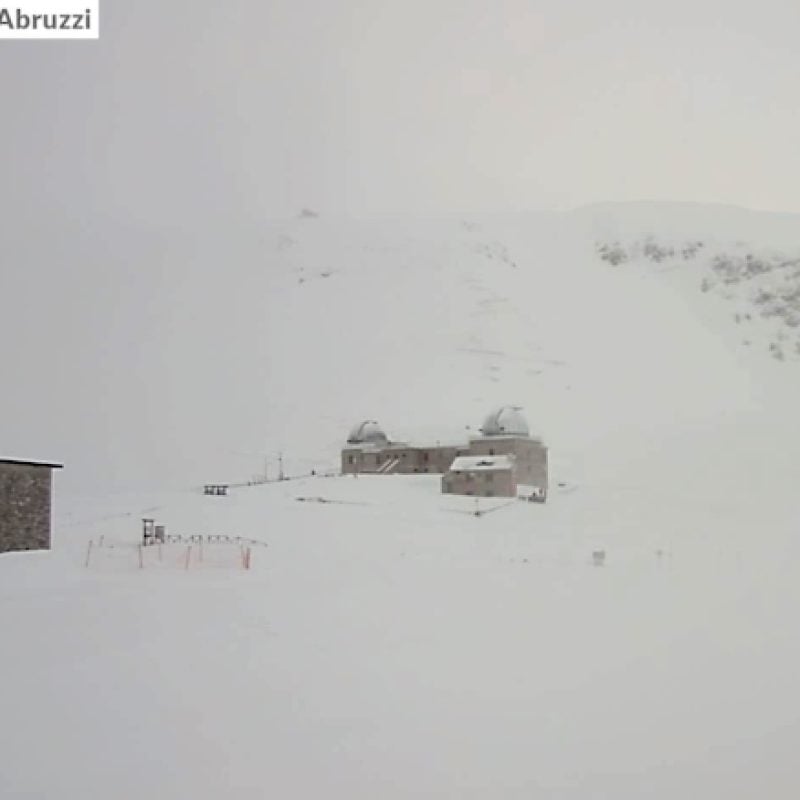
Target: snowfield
point(388, 642)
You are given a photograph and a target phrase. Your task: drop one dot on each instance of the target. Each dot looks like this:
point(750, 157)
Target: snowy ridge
point(761, 284)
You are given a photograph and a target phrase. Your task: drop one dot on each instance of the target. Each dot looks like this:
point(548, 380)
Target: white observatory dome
point(368, 432)
point(505, 421)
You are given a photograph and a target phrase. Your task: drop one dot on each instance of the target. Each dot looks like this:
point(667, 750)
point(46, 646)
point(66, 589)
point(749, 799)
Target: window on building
point(350, 460)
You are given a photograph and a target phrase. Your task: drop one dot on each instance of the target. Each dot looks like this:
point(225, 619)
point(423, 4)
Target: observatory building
point(504, 433)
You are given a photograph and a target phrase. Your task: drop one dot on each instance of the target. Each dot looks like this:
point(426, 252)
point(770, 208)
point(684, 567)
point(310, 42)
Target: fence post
point(89, 552)
point(188, 556)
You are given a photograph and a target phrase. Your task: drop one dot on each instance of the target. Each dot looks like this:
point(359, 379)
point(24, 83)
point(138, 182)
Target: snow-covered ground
point(388, 642)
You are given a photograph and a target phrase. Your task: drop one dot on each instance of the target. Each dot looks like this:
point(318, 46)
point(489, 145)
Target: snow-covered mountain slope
point(427, 325)
point(387, 642)
point(193, 355)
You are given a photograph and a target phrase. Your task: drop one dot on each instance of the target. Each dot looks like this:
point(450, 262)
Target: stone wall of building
point(435, 458)
point(24, 507)
point(402, 459)
point(530, 456)
point(481, 483)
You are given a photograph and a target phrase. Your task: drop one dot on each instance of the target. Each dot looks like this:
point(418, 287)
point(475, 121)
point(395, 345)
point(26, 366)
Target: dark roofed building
point(25, 492)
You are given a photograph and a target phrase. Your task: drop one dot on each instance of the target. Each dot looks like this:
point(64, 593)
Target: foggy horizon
point(188, 113)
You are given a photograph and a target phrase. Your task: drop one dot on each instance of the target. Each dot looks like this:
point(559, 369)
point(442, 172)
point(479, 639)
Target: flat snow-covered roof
point(532, 437)
point(404, 446)
point(481, 463)
point(23, 463)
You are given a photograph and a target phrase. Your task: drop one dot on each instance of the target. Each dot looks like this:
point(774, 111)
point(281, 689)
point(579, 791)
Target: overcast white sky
point(368, 107)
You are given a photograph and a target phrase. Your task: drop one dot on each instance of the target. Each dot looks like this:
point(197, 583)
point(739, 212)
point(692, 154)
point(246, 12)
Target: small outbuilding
point(481, 476)
point(25, 504)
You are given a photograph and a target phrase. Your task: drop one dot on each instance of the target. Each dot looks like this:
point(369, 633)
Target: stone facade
point(476, 476)
point(530, 456)
point(25, 491)
point(397, 458)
